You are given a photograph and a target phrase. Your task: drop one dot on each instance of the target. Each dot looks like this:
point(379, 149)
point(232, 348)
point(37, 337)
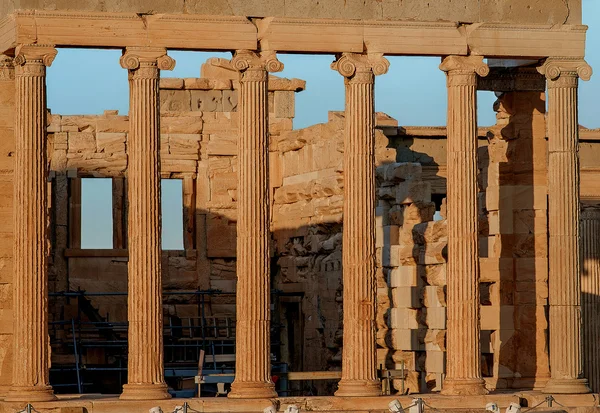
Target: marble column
point(253, 314)
point(359, 369)
point(31, 247)
point(463, 357)
point(590, 294)
point(566, 366)
point(145, 313)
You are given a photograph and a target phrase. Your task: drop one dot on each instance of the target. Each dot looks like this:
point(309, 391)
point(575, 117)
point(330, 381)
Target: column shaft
point(463, 361)
point(31, 342)
point(359, 370)
point(590, 294)
point(563, 226)
point(253, 314)
point(145, 354)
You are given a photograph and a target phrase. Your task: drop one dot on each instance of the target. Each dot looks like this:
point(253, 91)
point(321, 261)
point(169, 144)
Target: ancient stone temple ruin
point(338, 267)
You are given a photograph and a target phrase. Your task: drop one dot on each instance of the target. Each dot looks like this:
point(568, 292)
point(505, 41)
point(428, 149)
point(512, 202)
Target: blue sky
point(85, 81)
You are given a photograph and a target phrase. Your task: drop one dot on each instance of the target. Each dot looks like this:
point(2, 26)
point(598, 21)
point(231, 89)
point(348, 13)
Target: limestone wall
point(467, 11)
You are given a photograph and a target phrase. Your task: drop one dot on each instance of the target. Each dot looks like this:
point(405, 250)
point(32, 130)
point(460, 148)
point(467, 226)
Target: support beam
point(566, 365)
point(145, 314)
point(463, 369)
point(359, 369)
point(253, 313)
point(31, 341)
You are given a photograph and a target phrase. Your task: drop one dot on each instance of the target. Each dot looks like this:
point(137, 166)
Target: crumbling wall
point(307, 231)
point(411, 314)
point(199, 133)
point(514, 242)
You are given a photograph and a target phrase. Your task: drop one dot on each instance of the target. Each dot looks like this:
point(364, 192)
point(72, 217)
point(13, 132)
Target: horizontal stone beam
point(200, 32)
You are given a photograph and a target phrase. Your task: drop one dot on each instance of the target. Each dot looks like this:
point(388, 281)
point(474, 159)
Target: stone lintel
point(202, 32)
point(501, 79)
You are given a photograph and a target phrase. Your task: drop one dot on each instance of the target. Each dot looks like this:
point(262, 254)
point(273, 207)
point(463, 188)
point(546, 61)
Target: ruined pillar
point(463, 360)
point(145, 314)
point(590, 294)
point(359, 369)
point(31, 342)
point(253, 315)
point(566, 367)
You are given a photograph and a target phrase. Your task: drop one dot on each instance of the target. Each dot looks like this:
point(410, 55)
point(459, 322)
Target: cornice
point(7, 33)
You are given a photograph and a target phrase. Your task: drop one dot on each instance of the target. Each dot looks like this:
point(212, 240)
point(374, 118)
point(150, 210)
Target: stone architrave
point(463, 368)
point(253, 318)
point(359, 369)
point(31, 342)
point(145, 314)
point(590, 294)
point(564, 295)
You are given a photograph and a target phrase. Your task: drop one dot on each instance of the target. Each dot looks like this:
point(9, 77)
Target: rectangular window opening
point(96, 213)
point(172, 214)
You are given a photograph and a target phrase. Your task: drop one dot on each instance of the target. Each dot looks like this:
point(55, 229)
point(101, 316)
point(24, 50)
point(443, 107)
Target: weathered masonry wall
point(468, 11)
point(199, 146)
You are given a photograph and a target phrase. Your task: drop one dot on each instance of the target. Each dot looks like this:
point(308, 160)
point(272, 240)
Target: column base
point(30, 394)
point(145, 391)
point(464, 387)
point(566, 386)
point(358, 388)
point(252, 390)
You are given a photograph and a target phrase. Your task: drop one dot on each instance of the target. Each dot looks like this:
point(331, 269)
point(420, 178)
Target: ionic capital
point(355, 66)
point(146, 61)
point(556, 68)
point(7, 68)
point(254, 66)
point(32, 59)
point(464, 65)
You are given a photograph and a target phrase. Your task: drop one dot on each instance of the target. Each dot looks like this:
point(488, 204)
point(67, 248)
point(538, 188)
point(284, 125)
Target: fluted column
point(463, 357)
point(145, 353)
point(359, 369)
point(31, 355)
point(566, 367)
point(590, 294)
point(253, 315)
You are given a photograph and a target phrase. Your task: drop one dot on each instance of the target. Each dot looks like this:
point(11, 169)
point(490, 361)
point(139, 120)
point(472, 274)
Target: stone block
point(413, 191)
point(387, 235)
point(404, 339)
point(531, 269)
point(408, 297)
point(418, 212)
point(404, 318)
point(406, 359)
point(434, 274)
point(6, 320)
point(399, 171)
point(530, 222)
point(404, 276)
point(110, 142)
point(207, 100)
point(6, 271)
point(434, 296)
point(284, 104)
point(434, 253)
point(430, 232)
point(435, 361)
point(175, 100)
point(435, 318)
point(396, 215)
point(435, 340)
point(221, 236)
point(230, 101)
point(496, 269)
point(496, 317)
point(81, 142)
point(500, 222)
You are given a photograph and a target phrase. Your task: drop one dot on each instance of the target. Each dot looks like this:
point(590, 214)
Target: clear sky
point(413, 91)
